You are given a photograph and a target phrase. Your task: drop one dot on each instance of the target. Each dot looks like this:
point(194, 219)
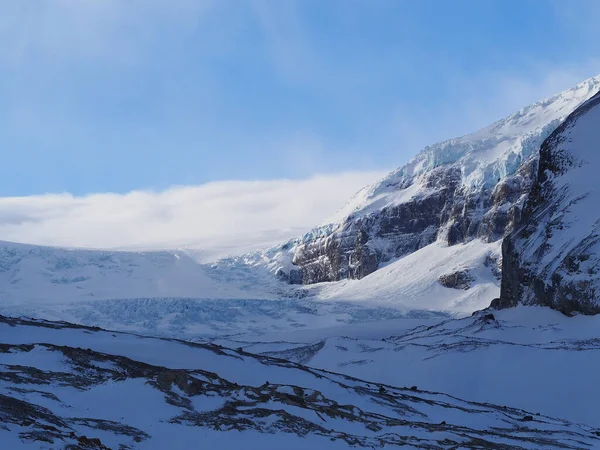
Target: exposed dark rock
point(300, 355)
point(91, 443)
point(495, 304)
point(457, 280)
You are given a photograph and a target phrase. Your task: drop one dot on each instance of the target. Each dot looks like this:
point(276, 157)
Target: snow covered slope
point(455, 191)
point(458, 279)
point(34, 274)
point(533, 358)
point(554, 259)
point(64, 386)
point(428, 235)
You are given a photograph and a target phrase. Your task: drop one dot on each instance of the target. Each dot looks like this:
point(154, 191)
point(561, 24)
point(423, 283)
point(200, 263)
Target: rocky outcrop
point(553, 257)
point(461, 279)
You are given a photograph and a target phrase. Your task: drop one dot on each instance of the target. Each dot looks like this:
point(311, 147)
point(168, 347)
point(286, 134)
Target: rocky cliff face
point(466, 188)
point(446, 210)
point(553, 257)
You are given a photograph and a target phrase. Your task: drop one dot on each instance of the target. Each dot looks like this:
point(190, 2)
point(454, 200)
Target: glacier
point(491, 171)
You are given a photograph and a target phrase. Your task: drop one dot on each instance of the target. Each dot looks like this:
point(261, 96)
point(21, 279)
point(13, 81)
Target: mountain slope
point(439, 277)
point(554, 258)
point(455, 191)
point(57, 395)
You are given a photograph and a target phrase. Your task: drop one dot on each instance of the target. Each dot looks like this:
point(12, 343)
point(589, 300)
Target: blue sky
point(114, 95)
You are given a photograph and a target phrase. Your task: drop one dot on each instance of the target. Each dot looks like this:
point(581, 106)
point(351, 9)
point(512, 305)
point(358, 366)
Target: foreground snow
point(527, 357)
point(65, 385)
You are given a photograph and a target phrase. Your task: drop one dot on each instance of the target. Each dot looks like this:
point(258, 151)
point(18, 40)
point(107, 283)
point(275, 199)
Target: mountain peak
point(483, 157)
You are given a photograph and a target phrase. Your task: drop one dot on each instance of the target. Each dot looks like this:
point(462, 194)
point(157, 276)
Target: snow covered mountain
point(67, 386)
point(426, 237)
point(473, 187)
point(554, 257)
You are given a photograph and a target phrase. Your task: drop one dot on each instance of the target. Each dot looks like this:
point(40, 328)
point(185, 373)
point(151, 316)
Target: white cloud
point(219, 217)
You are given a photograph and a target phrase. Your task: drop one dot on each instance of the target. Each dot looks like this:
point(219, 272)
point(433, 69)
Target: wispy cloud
point(76, 30)
point(202, 89)
point(479, 100)
point(219, 218)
